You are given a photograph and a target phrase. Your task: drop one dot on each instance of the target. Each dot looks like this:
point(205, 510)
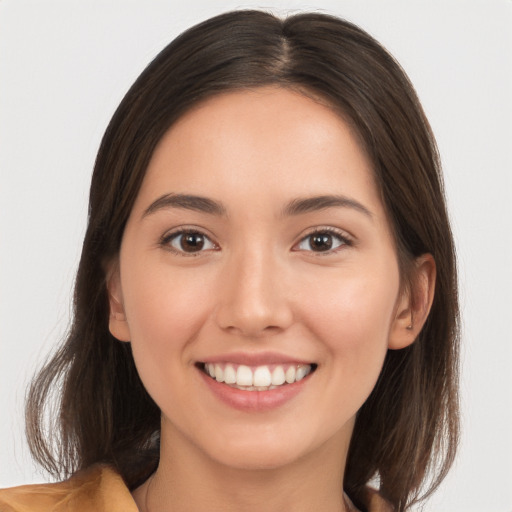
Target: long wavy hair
point(88, 405)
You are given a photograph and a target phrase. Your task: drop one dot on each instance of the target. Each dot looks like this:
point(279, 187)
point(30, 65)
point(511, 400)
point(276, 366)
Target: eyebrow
point(316, 203)
point(187, 202)
point(295, 207)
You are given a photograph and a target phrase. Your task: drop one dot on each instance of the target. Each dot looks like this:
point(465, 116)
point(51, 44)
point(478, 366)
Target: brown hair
point(406, 432)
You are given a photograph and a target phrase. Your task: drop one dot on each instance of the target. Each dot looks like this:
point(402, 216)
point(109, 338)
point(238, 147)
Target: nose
point(254, 298)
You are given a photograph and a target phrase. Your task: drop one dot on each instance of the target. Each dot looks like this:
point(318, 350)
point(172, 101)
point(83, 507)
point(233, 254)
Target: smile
point(257, 378)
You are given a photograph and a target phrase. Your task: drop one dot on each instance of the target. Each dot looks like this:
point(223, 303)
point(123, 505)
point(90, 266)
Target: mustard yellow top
point(97, 489)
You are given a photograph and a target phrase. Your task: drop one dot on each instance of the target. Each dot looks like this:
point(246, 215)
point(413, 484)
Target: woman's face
point(258, 251)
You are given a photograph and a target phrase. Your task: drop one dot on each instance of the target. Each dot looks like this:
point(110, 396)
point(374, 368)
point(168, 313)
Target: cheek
point(351, 303)
point(164, 301)
point(165, 310)
point(351, 314)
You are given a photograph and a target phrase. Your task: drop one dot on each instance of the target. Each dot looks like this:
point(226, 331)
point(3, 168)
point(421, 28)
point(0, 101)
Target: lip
point(253, 401)
point(254, 359)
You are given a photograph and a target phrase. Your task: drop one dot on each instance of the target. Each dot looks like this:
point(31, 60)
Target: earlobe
point(414, 305)
point(118, 324)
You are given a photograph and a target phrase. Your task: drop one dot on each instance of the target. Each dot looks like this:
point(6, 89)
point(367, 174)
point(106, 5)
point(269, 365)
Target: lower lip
point(254, 400)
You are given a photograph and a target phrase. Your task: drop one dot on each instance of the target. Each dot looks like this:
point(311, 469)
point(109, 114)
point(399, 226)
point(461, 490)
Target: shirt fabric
point(97, 489)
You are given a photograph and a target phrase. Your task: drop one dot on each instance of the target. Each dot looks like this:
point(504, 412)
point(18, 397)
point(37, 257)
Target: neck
point(188, 480)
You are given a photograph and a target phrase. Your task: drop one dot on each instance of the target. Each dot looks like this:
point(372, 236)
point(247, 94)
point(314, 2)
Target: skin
point(259, 286)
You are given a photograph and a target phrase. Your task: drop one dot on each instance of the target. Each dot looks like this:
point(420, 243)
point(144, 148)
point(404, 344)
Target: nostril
point(253, 310)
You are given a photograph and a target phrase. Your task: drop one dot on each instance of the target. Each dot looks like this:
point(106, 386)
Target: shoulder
point(97, 489)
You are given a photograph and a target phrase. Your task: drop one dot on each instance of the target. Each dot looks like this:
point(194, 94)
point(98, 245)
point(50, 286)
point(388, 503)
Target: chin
point(258, 458)
point(276, 449)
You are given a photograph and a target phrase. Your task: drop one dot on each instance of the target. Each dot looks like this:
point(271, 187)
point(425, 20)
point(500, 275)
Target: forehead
point(269, 141)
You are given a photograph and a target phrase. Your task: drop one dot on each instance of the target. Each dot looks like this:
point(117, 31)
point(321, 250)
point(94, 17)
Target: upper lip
point(255, 358)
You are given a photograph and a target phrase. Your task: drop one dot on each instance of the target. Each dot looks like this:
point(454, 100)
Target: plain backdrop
point(64, 67)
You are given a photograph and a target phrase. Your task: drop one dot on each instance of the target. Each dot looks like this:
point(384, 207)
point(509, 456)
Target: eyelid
point(168, 236)
point(348, 240)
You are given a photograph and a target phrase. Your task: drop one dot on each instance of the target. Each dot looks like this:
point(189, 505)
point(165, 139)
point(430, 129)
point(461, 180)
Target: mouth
point(256, 378)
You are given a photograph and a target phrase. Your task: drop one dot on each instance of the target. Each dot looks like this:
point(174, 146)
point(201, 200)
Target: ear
point(118, 325)
point(414, 304)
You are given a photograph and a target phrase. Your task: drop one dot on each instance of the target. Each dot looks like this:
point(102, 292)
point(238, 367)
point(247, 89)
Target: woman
point(266, 304)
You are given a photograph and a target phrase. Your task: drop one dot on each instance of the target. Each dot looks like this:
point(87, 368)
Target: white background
point(64, 67)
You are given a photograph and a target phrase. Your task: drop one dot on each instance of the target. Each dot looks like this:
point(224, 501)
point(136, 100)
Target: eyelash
point(167, 239)
point(345, 240)
point(170, 237)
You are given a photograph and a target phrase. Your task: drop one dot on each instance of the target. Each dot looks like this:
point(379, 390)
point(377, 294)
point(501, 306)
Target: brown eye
point(189, 242)
point(322, 241)
point(192, 242)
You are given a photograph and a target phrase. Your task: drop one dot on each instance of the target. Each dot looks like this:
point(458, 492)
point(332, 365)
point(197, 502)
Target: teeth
point(301, 372)
point(219, 373)
point(290, 375)
point(244, 376)
point(229, 375)
point(278, 376)
point(260, 378)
